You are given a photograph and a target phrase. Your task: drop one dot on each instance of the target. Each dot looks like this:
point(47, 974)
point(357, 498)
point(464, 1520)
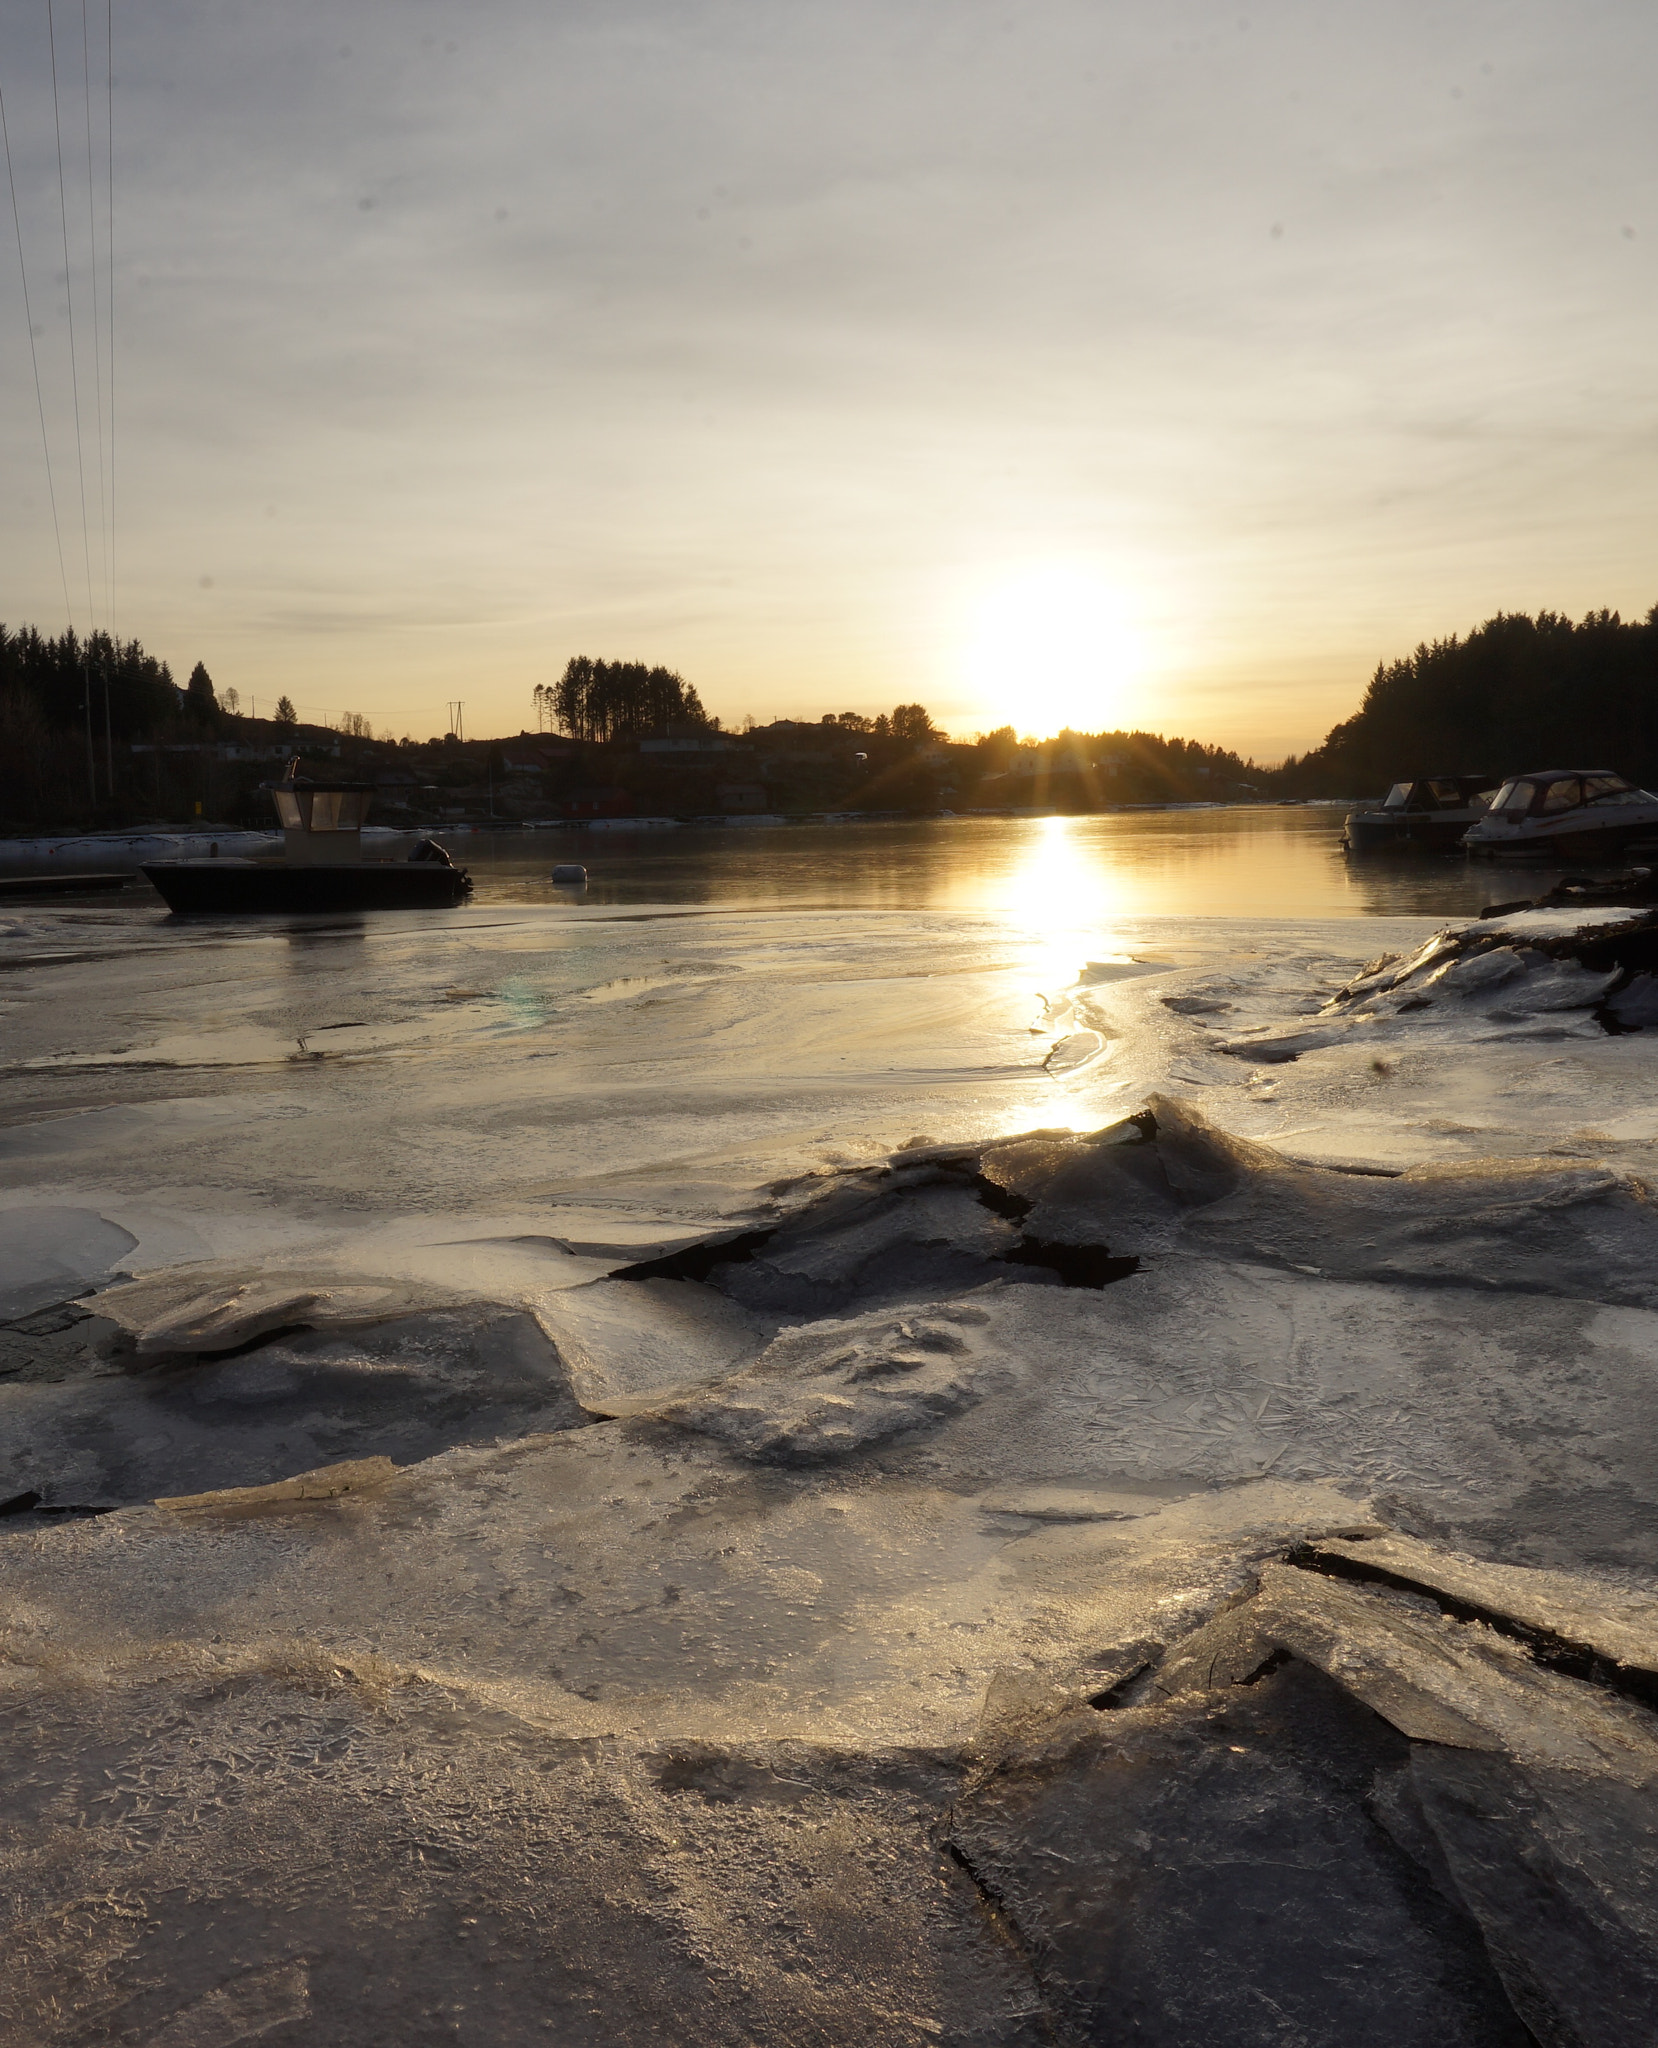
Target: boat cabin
point(1549, 792)
point(1438, 793)
point(322, 822)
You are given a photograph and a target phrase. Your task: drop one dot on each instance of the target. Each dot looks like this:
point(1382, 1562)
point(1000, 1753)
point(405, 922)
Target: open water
point(1256, 861)
point(1226, 862)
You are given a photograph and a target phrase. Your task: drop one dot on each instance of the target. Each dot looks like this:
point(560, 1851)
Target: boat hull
point(1376, 832)
point(225, 888)
point(1590, 843)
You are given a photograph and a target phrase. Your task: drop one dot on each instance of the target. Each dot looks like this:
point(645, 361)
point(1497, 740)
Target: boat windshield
point(1398, 796)
point(1514, 796)
point(337, 810)
point(1563, 794)
point(321, 810)
point(1444, 791)
point(1611, 789)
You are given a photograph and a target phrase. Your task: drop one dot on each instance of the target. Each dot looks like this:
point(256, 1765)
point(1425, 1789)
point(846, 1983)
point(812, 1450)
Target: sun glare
point(1049, 647)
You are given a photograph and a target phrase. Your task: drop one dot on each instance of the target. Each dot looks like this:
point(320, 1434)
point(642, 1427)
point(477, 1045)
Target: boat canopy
point(1437, 793)
point(1547, 792)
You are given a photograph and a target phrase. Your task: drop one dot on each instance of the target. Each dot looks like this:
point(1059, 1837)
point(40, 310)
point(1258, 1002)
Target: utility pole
point(457, 726)
point(91, 758)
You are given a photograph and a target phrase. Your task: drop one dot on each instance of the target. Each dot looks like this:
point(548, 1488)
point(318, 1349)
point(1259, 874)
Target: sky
point(1155, 365)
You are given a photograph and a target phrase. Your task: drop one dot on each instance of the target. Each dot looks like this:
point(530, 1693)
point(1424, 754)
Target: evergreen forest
point(1516, 693)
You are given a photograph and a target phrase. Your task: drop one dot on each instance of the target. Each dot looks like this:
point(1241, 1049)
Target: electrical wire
point(97, 313)
point(34, 358)
point(109, 254)
point(69, 293)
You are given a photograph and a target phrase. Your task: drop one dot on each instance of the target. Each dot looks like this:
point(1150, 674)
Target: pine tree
point(200, 702)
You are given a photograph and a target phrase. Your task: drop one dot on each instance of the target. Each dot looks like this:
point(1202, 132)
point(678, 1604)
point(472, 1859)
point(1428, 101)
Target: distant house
point(218, 750)
point(699, 741)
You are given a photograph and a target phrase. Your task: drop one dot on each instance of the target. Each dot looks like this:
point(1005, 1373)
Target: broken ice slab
point(50, 1253)
point(1615, 1624)
point(1161, 1862)
point(1635, 1006)
point(1211, 1874)
point(1538, 1226)
point(359, 1278)
point(208, 1308)
point(1072, 1053)
point(324, 1482)
point(1098, 973)
point(1081, 1503)
point(1459, 1683)
point(1561, 1873)
point(911, 1233)
point(406, 1388)
point(1526, 960)
point(639, 1340)
point(1277, 1048)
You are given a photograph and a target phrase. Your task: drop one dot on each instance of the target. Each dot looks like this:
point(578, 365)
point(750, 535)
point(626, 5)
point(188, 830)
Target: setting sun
point(1048, 647)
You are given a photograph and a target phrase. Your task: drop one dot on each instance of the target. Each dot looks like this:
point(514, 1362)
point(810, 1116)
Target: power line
point(34, 358)
point(69, 293)
point(109, 253)
point(97, 315)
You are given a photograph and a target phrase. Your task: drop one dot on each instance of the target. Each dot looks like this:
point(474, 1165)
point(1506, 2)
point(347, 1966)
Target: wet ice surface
point(874, 1475)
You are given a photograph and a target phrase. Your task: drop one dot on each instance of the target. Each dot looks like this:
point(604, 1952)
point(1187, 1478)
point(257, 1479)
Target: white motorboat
point(1568, 814)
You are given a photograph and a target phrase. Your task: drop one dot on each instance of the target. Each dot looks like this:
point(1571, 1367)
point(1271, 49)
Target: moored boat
point(1430, 811)
point(1576, 814)
point(322, 865)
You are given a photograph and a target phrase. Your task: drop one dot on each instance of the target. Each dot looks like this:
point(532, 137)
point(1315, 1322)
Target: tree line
point(1517, 692)
point(618, 700)
point(1089, 771)
point(910, 723)
point(54, 683)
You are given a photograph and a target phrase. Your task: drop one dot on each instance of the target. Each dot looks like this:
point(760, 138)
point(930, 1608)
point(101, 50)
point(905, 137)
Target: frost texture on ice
point(821, 1392)
point(1116, 1576)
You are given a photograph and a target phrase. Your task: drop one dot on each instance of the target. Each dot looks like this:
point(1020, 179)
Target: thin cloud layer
point(761, 340)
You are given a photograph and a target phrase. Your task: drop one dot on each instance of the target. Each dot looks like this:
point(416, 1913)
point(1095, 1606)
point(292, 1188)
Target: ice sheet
point(795, 1377)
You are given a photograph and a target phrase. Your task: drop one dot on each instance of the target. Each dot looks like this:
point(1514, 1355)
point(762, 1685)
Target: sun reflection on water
point(1063, 898)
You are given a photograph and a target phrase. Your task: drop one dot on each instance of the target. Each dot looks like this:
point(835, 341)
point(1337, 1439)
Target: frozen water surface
point(879, 1449)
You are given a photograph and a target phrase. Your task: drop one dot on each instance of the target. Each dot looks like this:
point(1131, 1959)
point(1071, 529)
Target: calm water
point(1226, 863)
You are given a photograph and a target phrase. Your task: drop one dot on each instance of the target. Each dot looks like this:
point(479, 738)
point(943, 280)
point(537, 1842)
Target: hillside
point(1516, 693)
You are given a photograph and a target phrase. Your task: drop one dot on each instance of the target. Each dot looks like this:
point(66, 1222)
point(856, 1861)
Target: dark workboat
point(1431, 812)
point(322, 865)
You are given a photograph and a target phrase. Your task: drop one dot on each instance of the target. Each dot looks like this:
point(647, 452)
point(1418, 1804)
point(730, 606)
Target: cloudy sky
point(1163, 364)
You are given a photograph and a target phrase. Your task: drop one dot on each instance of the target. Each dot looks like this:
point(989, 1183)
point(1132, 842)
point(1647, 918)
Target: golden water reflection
point(1042, 875)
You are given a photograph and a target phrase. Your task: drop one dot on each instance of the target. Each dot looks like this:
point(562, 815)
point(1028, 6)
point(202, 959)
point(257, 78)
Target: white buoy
point(571, 871)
